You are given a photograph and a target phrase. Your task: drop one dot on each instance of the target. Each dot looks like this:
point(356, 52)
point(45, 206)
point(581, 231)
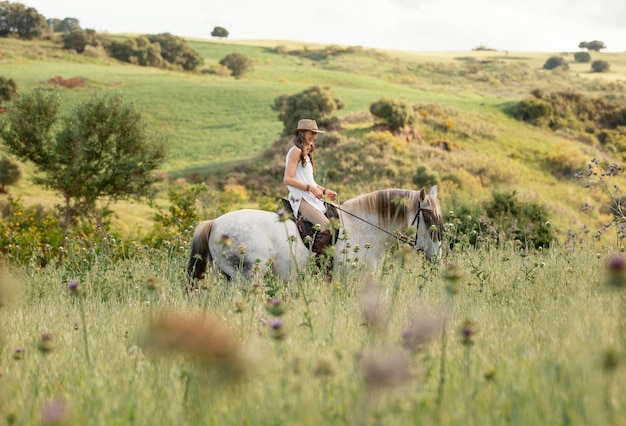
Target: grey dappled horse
point(248, 242)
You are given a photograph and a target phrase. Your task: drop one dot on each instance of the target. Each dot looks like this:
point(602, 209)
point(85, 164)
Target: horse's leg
point(200, 253)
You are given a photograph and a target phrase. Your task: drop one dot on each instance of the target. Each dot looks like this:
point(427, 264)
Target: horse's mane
point(395, 205)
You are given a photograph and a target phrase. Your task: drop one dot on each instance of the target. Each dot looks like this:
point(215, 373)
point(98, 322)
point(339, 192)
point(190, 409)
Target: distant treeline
point(160, 50)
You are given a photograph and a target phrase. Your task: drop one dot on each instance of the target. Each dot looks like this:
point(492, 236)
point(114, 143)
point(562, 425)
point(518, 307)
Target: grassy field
point(489, 337)
point(214, 122)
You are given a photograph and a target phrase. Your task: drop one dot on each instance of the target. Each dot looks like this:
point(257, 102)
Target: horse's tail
point(200, 254)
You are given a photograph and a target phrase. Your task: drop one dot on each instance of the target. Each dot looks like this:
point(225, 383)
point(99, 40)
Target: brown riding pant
point(313, 215)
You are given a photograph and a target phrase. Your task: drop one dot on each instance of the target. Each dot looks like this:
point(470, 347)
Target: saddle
point(305, 227)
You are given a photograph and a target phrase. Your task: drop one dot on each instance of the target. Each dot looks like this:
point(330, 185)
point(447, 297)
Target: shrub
point(317, 103)
point(424, 177)
point(8, 89)
point(555, 62)
point(582, 57)
point(600, 66)
point(9, 173)
point(393, 112)
point(534, 111)
point(237, 63)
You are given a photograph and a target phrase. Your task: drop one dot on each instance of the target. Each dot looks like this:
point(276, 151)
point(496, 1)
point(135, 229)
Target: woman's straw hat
point(307, 124)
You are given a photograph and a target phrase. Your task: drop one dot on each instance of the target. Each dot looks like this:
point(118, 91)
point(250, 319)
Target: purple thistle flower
point(274, 307)
point(17, 355)
point(276, 323)
point(54, 411)
point(72, 285)
point(616, 271)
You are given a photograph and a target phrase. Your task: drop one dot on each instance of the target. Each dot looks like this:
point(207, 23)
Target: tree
point(17, 19)
point(219, 32)
point(176, 51)
point(600, 66)
point(595, 45)
point(317, 103)
point(8, 89)
point(101, 151)
point(9, 173)
point(64, 26)
point(394, 112)
point(555, 62)
point(582, 57)
point(78, 39)
point(237, 63)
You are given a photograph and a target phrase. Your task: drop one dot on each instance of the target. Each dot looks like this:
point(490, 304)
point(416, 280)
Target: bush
point(600, 66)
point(582, 57)
point(425, 178)
point(237, 63)
point(317, 103)
point(393, 112)
point(8, 88)
point(533, 111)
point(555, 62)
point(9, 173)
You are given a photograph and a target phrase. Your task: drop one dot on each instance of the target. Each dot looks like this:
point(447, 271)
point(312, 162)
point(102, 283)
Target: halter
point(416, 220)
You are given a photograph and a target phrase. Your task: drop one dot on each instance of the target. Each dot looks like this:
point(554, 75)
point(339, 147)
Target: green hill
point(222, 130)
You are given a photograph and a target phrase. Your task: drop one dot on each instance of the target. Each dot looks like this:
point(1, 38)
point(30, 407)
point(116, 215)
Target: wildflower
point(274, 307)
point(276, 328)
point(18, 353)
point(616, 271)
point(54, 412)
point(324, 368)
point(45, 343)
point(385, 369)
point(452, 277)
point(283, 215)
point(467, 332)
point(152, 284)
point(370, 303)
point(424, 328)
point(239, 307)
point(72, 286)
point(203, 337)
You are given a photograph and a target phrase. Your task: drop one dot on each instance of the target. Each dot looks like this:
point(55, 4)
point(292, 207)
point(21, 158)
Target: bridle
point(402, 238)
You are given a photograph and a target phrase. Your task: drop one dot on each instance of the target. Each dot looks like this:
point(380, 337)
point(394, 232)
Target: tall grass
point(526, 338)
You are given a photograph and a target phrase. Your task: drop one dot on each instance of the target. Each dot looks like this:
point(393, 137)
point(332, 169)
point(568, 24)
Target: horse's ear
point(422, 194)
point(433, 191)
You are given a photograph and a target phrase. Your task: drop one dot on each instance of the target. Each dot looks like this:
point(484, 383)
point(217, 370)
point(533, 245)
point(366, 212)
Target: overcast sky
point(419, 25)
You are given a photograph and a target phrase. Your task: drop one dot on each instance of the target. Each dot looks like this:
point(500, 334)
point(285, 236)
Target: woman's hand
point(329, 193)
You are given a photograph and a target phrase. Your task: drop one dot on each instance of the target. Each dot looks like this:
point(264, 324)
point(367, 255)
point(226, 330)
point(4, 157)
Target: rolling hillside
point(222, 129)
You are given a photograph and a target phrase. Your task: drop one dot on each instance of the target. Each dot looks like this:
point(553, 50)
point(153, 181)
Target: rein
point(416, 220)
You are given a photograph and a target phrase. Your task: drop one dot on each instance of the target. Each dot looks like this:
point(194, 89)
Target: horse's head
point(429, 222)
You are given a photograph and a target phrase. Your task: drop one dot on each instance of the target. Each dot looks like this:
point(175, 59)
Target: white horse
point(243, 243)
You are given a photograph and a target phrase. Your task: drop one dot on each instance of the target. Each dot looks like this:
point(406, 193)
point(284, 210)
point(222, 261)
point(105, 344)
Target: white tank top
point(303, 174)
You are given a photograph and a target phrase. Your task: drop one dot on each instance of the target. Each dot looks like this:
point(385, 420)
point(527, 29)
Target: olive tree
point(101, 152)
point(317, 103)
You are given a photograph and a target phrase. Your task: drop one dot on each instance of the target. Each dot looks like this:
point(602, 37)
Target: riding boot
point(322, 241)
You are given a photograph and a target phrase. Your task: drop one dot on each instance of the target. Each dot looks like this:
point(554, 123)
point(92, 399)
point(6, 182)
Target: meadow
point(494, 333)
point(485, 337)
